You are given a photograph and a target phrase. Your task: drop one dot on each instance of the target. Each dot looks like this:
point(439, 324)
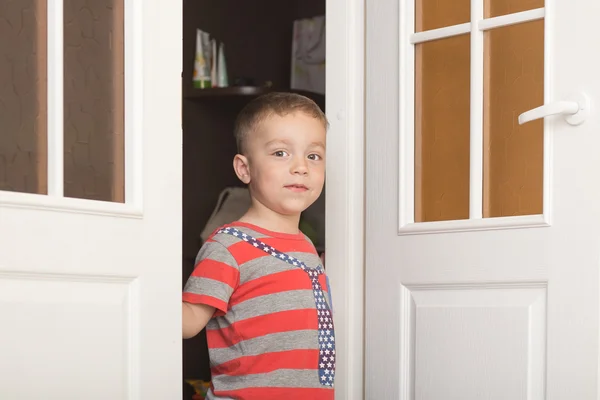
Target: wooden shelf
point(193, 93)
point(244, 91)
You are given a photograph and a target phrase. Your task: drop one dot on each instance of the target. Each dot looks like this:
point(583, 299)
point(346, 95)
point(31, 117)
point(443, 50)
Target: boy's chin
point(293, 208)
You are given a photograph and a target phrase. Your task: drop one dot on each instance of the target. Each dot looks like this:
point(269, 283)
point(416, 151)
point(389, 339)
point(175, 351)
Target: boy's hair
point(279, 103)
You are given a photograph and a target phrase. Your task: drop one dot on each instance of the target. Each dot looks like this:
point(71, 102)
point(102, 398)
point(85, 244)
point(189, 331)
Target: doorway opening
point(268, 45)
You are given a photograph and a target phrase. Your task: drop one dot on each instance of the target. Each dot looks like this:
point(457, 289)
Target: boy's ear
point(242, 168)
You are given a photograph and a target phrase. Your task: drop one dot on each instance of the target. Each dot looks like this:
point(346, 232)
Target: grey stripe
point(217, 252)
point(267, 304)
point(262, 266)
point(276, 302)
point(285, 378)
point(209, 287)
point(274, 342)
point(266, 265)
point(221, 322)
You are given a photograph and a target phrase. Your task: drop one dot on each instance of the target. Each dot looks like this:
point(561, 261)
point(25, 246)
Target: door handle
point(575, 110)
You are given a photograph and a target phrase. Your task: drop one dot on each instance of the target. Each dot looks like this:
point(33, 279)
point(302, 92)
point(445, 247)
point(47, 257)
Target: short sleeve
point(215, 277)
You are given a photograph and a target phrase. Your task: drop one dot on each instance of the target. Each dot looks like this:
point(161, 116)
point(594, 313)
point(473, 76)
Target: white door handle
point(575, 110)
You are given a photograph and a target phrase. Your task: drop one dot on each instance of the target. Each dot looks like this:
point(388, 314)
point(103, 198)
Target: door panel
point(503, 303)
point(90, 276)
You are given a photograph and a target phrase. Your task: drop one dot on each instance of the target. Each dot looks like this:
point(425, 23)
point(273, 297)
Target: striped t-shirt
point(263, 339)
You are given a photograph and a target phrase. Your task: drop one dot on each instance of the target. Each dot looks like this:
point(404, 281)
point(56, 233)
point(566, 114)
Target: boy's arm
point(209, 288)
point(194, 318)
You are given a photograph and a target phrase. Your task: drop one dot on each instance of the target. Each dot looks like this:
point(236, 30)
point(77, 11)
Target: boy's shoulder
point(231, 233)
point(239, 230)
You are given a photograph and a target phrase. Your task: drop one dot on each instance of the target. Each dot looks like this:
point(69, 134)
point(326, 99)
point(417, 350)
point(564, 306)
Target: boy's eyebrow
point(276, 141)
point(283, 141)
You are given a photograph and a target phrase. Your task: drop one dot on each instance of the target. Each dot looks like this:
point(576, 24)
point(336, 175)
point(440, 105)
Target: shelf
point(193, 93)
point(243, 91)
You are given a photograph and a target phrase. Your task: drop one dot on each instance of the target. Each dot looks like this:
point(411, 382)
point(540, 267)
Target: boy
point(258, 285)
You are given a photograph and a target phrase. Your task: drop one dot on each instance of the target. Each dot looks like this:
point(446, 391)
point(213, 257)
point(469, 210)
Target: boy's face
point(285, 162)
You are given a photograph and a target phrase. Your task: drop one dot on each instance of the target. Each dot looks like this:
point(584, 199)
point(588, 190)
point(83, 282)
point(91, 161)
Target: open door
point(90, 199)
point(483, 243)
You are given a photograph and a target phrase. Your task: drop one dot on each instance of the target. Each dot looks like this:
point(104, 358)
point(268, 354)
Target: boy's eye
point(314, 157)
point(280, 153)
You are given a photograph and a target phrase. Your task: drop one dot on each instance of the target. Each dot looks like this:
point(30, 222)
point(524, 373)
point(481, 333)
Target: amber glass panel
point(495, 8)
point(442, 126)
point(513, 153)
point(94, 97)
point(433, 14)
point(23, 96)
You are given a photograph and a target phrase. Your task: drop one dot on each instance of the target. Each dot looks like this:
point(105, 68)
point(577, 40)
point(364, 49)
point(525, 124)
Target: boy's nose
point(299, 167)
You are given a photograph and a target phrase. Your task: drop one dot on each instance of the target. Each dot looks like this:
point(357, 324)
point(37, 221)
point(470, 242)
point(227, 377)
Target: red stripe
point(204, 299)
point(217, 271)
point(283, 281)
point(268, 362)
point(284, 321)
point(323, 282)
point(278, 393)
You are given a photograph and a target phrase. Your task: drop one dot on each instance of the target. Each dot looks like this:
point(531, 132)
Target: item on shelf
point(232, 204)
point(222, 68)
point(201, 62)
point(308, 55)
point(213, 63)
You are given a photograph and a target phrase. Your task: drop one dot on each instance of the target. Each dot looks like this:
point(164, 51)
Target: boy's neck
point(265, 218)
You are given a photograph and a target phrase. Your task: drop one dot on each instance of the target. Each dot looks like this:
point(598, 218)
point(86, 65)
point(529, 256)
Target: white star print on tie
point(326, 331)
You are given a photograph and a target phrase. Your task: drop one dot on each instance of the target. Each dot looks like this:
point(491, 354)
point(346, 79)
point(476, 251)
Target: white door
point(483, 243)
point(90, 207)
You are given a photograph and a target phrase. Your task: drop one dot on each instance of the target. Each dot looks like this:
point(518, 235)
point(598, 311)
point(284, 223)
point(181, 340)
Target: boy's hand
point(194, 318)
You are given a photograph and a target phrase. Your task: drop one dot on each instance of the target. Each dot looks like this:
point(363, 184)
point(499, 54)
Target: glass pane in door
point(495, 8)
point(23, 96)
point(513, 153)
point(442, 129)
point(94, 99)
point(434, 14)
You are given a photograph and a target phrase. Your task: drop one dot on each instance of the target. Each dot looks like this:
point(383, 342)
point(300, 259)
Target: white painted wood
point(476, 135)
point(443, 312)
point(55, 107)
point(481, 224)
point(405, 114)
point(440, 33)
point(345, 189)
point(66, 204)
point(482, 24)
point(511, 19)
point(134, 103)
point(90, 291)
point(463, 303)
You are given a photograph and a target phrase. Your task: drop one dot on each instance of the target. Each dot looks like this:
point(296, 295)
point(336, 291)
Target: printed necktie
point(324, 315)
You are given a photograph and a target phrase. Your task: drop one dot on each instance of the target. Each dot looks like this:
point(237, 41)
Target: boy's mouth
point(297, 188)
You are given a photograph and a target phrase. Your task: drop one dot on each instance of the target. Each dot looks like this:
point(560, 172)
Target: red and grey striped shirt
point(263, 339)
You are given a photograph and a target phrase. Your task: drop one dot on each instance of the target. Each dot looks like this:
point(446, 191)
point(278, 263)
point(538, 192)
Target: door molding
point(345, 108)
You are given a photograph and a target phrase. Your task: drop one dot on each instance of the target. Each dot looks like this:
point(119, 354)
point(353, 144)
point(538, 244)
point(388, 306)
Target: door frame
point(345, 196)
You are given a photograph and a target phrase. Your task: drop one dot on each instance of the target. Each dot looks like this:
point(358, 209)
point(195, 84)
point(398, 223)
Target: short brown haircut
point(278, 103)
